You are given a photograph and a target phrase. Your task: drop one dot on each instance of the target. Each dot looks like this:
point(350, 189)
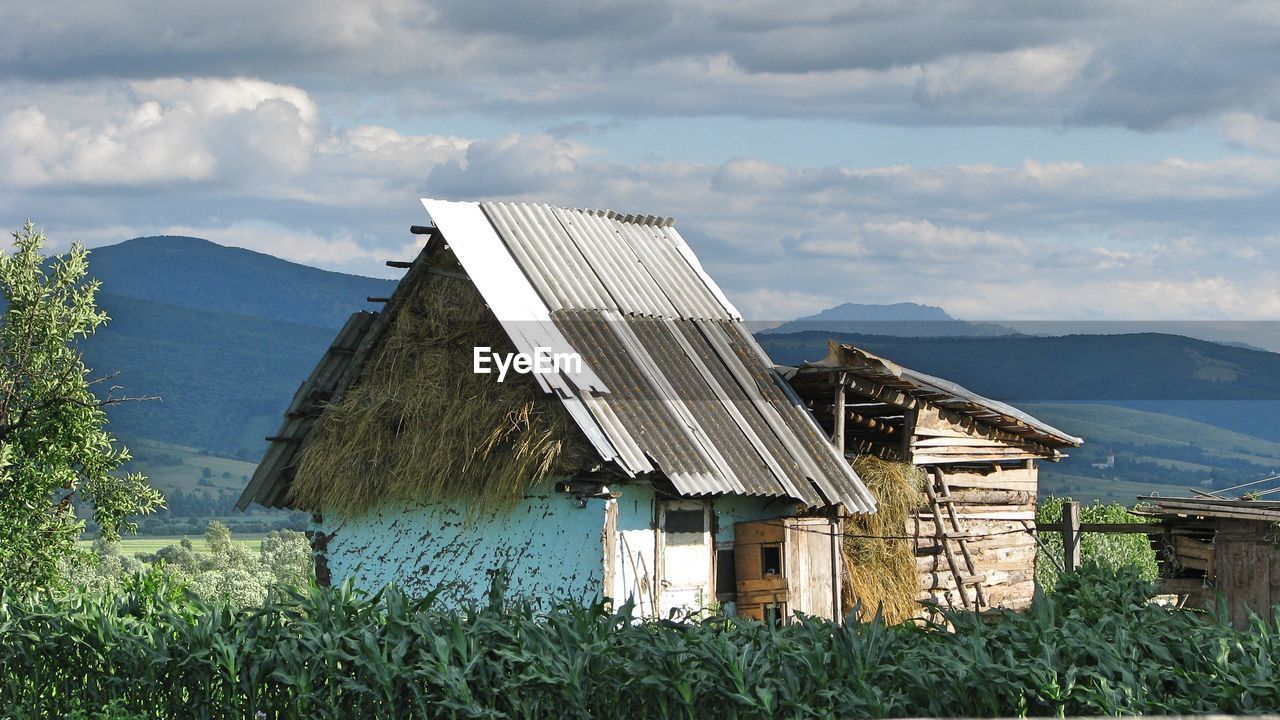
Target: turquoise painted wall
point(552, 547)
point(730, 509)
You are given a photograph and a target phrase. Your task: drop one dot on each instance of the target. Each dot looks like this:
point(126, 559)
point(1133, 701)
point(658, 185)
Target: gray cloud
point(1093, 63)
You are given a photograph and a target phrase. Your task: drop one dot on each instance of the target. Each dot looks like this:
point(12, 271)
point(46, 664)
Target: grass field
point(173, 467)
point(1091, 489)
point(146, 545)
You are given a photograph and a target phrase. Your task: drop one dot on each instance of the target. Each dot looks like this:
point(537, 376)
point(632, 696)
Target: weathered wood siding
point(943, 436)
point(1246, 562)
point(994, 508)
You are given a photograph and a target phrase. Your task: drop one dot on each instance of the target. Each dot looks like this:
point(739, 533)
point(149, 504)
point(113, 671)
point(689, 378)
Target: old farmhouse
point(566, 394)
point(628, 476)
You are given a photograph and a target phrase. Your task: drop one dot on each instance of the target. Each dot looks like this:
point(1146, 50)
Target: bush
point(227, 571)
point(1095, 647)
point(1112, 551)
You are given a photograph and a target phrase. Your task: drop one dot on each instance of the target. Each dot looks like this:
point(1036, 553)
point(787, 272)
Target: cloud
point(1251, 132)
point(512, 166)
point(149, 133)
point(1144, 66)
point(912, 240)
point(254, 163)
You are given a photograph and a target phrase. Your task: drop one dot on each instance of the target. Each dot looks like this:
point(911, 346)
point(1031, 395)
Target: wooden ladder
point(939, 494)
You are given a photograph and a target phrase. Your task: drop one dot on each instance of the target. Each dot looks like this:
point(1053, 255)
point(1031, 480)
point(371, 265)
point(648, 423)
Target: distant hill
point(898, 319)
point(197, 274)
point(225, 336)
point(1086, 368)
point(1177, 411)
point(224, 379)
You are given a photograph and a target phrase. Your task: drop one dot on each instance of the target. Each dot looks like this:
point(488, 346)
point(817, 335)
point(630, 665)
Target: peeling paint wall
point(552, 548)
point(730, 509)
point(634, 570)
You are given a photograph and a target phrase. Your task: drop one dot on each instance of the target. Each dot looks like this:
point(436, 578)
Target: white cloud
point(1006, 76)
point(1252, 132)
point(251, 163)
point(147, 133)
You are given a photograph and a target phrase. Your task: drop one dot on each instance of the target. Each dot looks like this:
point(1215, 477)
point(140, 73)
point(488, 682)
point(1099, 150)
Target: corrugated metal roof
point(599, 260)
point(688, 389)
point(671, 381)
point(944, 393)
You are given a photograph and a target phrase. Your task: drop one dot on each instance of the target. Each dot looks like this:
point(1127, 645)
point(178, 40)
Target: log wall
point(995, 508)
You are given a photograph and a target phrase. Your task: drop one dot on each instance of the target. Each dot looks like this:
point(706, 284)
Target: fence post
point(1071, 535)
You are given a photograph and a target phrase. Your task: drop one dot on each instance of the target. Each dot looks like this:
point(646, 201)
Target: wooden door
point(685, 549)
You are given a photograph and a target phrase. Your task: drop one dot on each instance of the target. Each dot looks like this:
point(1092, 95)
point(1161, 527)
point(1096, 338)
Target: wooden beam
point(1120, 528)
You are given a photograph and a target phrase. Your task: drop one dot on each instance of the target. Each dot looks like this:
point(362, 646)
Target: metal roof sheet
point(688, 389)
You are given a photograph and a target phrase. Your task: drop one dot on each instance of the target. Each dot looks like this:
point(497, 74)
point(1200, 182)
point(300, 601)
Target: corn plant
point(1094, 647)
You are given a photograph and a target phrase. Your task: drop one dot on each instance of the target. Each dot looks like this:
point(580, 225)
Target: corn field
point(1095, 647)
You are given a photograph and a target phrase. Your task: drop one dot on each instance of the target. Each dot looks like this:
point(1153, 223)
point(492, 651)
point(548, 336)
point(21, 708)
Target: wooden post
point(840, 411)
point(836, 560)
point(1071, 535)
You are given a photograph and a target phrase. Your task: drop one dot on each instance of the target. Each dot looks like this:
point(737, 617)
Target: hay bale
point(421, 424)
point(881, 572)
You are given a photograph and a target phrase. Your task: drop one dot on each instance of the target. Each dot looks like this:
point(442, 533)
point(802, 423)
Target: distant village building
point(674, 465)
point(1107, 464)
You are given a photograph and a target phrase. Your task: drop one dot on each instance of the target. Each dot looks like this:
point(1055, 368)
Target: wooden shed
point(1209, 546)
point(974, 535)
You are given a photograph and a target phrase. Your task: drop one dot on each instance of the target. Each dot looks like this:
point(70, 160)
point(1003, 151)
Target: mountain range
point(224, 336)
point(905, 319)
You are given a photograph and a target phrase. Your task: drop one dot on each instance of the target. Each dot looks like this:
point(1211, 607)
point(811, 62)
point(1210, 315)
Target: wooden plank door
point(685, 551)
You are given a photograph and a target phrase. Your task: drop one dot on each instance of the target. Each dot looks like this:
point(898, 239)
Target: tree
point(55, 451)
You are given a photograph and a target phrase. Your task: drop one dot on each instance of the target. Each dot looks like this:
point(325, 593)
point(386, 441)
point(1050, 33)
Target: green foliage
point(1114, 551)
point(54, 449)
point(1096, 647)
point(229, 571)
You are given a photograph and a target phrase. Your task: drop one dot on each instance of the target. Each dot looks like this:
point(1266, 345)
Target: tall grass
point(1096, 647)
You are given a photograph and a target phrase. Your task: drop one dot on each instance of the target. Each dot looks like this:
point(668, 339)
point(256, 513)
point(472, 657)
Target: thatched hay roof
point(419, 424)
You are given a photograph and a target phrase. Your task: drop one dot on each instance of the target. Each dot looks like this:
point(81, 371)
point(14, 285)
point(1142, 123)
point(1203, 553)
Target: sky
point(1003, 159)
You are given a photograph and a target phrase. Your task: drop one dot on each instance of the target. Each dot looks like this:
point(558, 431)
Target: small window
point(686, 521)
point(770, 560)
point(726, 576)
point(774, 615)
